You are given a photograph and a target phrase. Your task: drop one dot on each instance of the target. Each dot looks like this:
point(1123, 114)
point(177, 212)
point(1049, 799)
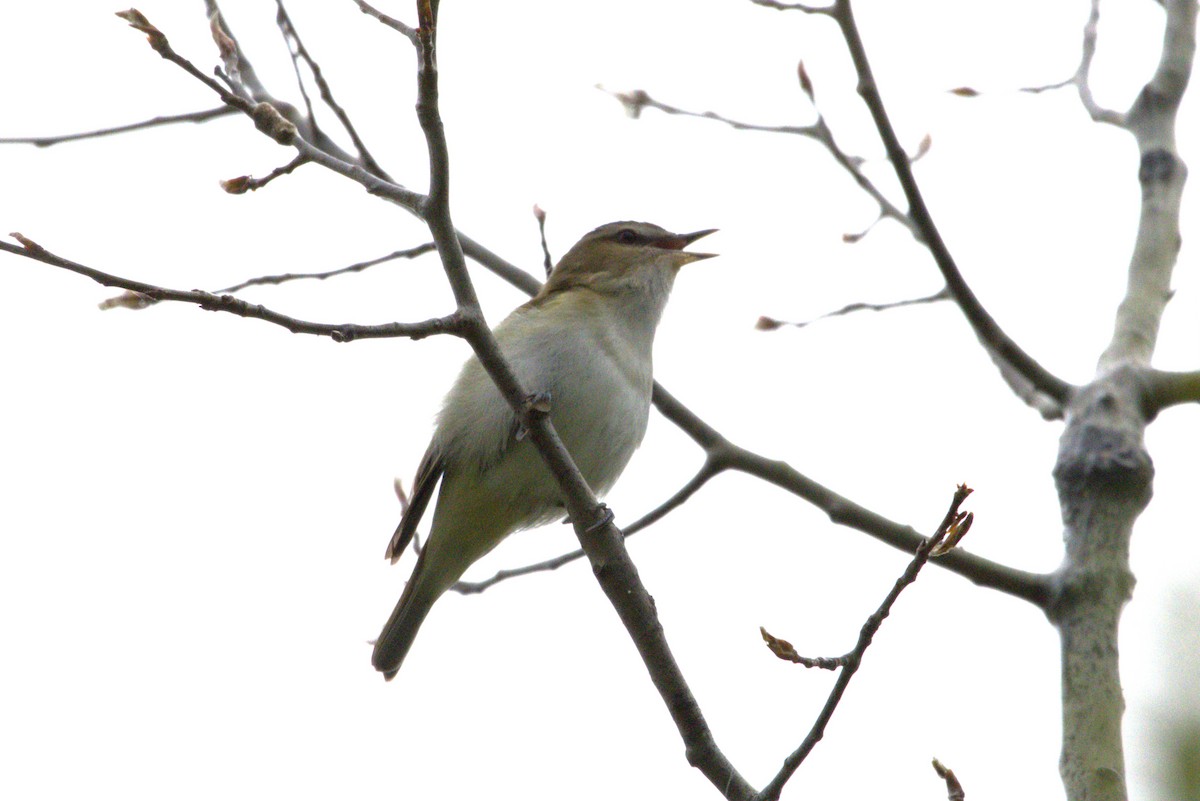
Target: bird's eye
point(627, 236)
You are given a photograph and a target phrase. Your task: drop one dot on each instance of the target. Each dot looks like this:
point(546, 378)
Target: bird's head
point(624, 256)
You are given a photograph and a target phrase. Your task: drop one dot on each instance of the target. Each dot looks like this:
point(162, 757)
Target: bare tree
point(1103, 473)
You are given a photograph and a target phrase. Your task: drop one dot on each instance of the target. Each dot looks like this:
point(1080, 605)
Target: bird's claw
point(606, 517)
point(538, 402)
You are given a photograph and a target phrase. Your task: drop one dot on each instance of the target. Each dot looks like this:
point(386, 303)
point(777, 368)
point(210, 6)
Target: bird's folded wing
point(429, 472)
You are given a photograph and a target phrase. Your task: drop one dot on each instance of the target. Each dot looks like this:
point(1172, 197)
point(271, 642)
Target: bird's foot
point(605, 517)
point(538, 402)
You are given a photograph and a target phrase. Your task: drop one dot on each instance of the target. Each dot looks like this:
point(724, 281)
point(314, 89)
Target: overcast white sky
point(195, 506)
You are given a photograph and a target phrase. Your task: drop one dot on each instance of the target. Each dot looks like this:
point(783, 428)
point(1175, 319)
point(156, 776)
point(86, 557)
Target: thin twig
point(248, 183)
point(153, 122)
point(706, 472)
point(1082, 79)
point(357, 267)
point(805, 7)
point(134, 301)
point(771, 324)
point(270, 120)
point(786, 651)
point(638, 100)
point(853, 660)
point(391, 22)
point(298, 51)
point(347, 332)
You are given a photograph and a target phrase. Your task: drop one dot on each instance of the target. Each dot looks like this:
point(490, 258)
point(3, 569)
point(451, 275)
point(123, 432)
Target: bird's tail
point(401, 629)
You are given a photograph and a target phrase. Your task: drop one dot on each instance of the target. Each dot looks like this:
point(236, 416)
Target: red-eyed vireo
point(585, 340)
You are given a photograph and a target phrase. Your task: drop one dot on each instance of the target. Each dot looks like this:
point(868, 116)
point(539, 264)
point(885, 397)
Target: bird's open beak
point(680, 241)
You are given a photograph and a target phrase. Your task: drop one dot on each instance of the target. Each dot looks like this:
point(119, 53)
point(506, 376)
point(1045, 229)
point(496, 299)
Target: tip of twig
point(137, 20)
point(922, 149)
point(236, 186)
point(806, 84)
point(127, 300)
point(781, 648)
point(25, 241)
point(633, 102)
point(955, 526)
point(954, 788)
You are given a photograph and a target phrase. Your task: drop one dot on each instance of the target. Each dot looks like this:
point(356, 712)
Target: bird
point(584, 342)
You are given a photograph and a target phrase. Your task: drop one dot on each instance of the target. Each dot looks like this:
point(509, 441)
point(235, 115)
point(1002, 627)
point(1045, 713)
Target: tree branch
point(1031, 587)
point(985, 327)
point(391, 22)
point(707, 471)
point(153, 122)
point(345, 332)
point(299, 52)
point(636, 101)
point(1162, 175)
point(1104, 474)
point(357, 267)
point(133, 300)
point(722, 455)
point(1165, 389)
point(1082, 79)
point(601, 540)
point(771, 324)
point(851, 662)
point(1029, 380)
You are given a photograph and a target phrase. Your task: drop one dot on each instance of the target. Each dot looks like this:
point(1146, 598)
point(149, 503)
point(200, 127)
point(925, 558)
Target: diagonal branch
point(723, 455)
point(1032, 587)
point(300, 53)
point(1046, 384)
point(601, 540)
point(1028, 379)
point(391, 22)
point(954, 519)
